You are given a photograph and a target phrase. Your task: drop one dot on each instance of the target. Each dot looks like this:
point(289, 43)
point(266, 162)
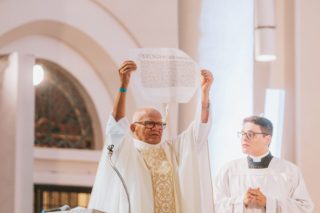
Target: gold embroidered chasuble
point(162, 179)
point(187, 154)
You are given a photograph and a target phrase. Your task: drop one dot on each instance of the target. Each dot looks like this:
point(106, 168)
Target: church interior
point(52, 131)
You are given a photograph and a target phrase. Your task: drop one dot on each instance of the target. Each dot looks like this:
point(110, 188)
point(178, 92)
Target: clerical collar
point(143, 145)
point(258, 158)
point(260, 162)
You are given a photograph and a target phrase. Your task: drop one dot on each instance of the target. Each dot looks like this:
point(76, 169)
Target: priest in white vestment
point(160, 176)
point(260, 182)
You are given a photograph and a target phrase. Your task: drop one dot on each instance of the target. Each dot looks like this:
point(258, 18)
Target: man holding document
point(160, 176)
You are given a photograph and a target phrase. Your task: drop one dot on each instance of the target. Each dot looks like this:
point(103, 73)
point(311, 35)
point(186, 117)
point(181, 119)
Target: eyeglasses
point(250, 135)
point(152, 124)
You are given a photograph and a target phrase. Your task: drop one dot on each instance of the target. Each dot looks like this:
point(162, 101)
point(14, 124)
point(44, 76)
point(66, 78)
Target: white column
point(17, 134)
point(189, 33)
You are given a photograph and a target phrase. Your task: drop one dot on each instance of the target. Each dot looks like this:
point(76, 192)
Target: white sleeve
point(116, 131)
point(201, 130)
point(198, 133)
point(299, 201)
point(105, 193)
point(191, 156)
point(223, 201)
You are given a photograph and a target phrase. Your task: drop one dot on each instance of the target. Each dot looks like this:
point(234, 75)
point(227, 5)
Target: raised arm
point(206, 82)
point(199, 129)
point(119, 107)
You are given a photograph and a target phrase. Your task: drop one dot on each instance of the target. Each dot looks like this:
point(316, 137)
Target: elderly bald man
point(160, 176)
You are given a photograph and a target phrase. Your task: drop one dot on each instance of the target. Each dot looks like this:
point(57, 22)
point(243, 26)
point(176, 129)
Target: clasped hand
point(254, 198)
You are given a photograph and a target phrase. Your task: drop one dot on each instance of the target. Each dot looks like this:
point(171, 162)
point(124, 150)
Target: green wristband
point(122, 89)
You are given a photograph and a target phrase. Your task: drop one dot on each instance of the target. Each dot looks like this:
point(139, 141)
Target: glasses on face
point(152, 124)
point(250, 135)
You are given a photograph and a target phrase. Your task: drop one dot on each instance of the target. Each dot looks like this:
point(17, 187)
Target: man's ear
point(132, 127)
point(269, 137)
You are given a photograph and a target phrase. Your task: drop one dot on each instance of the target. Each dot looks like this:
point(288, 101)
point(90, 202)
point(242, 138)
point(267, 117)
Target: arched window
point(62, 119)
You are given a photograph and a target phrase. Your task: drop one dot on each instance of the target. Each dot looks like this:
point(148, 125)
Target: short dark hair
point(264, 123)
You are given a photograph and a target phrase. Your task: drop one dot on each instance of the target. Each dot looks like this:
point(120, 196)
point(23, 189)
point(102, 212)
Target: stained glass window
point(61, 118)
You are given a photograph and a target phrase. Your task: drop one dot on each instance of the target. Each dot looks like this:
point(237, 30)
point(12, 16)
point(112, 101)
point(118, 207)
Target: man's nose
point(245, 138)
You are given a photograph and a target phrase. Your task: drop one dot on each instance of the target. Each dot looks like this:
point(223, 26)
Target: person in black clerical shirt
point(260, 182)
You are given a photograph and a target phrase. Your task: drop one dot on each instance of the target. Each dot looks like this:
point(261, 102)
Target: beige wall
point(307, 93)
point(102, 38)
point(151, 23)
point(89, 38)
point(119, 25)
point(280, 74)
point(297, 70)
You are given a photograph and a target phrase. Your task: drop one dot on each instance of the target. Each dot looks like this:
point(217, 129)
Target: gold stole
point(162, 179)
